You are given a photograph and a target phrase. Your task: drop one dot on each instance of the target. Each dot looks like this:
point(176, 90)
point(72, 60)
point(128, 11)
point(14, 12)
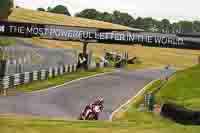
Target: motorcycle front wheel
point(80, 118)
point(92, 117)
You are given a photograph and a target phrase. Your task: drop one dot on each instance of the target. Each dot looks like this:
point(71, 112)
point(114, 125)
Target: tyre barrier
point(180, 114)
point(27, 77)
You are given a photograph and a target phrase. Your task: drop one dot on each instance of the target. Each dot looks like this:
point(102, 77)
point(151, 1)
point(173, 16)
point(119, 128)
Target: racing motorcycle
point(91, 113)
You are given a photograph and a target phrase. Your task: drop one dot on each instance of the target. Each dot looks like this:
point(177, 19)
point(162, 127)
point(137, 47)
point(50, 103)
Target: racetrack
point(67, 101)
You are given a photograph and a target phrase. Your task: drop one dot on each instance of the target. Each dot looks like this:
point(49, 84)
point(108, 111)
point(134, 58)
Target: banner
point(61, 32)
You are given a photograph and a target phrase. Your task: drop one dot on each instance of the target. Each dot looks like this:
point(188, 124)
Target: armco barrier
point(27, 77)
point(50, 72)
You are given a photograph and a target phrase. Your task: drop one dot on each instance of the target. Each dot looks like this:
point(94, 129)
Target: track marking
point(130, 100)
point(69, 82)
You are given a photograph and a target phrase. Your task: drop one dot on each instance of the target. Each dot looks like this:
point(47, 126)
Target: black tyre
point(80, 117)
point(96, 117)
point(91, 116)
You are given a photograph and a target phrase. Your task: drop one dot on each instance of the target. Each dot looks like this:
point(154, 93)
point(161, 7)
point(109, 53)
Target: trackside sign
point(62, 32)
point(2, 28)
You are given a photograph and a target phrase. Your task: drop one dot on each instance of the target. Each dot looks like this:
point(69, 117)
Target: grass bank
point(40, 85)
point(25, 124)
point(32, 16)
point(185, 86)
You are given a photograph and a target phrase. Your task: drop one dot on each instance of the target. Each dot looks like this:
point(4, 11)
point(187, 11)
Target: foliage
point(41, 9)
point(60, 9)
point(6, 7)
point(89, 13)
point(148, 23)
point(6, 42)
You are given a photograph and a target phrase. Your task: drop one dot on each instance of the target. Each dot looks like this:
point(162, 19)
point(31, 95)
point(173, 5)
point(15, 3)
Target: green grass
point(7, 42)
point(25, 124)
point(185, 86)
point(3, 44)
point(39, 85)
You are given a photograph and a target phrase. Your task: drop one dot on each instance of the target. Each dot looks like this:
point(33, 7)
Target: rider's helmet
point(99, 100)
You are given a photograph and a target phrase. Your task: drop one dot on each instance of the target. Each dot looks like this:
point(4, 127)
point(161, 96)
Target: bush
point(5, 43)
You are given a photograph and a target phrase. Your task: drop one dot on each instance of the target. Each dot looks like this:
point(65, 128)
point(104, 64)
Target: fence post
point(50, 75)
point(61, 70)
point(55, 71)
point(75, 67)
point(6, 84)
point(35, 75)
point(66, 69)
point(27, 77)
point(42, 74)
point(71, 68)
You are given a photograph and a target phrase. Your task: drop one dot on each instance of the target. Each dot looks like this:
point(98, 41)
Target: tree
point(4, 55)
point(148, 23)
point(196, 26)
point(6, 8)
point(49, 9)
point(60, 9)
point(41, 9)
point(139, 23)
point(105, 16)
point(3, 44)
point(165, 25)
point(122, 18)
point(89, 13)
point(186, 26)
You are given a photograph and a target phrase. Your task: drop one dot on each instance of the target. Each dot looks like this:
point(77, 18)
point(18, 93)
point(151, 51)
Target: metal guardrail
point(27, 77)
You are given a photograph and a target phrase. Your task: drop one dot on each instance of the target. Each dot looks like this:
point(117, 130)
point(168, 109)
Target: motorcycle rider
point(98, 102)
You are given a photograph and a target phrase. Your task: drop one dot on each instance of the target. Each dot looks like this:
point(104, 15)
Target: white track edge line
point(50, 88)
point(130, 100)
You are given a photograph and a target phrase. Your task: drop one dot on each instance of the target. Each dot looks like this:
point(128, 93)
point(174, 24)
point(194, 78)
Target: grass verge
point(185, 87)
point(39, 85)
point(25, 124)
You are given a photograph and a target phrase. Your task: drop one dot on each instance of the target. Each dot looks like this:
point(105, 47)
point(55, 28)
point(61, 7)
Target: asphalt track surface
point(68, 101)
